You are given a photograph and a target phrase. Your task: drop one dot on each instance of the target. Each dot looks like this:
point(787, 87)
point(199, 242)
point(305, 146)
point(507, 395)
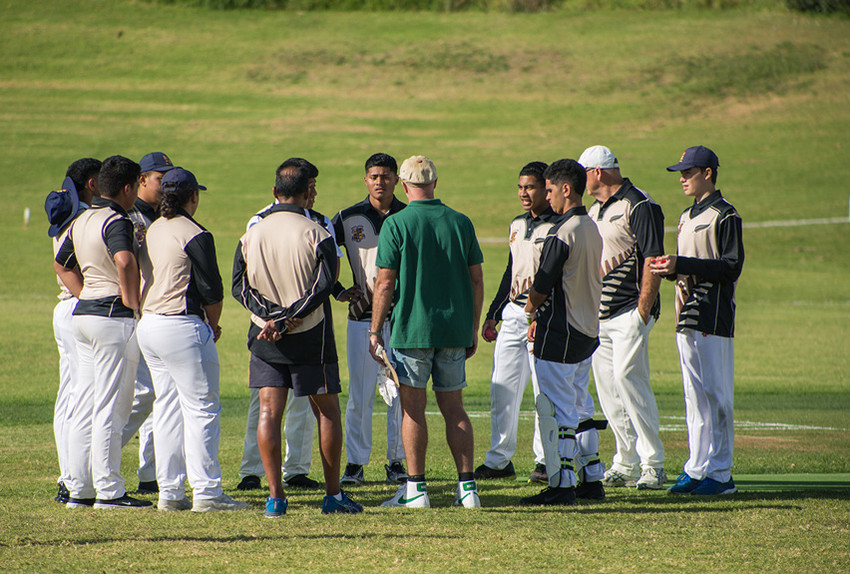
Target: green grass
point(231, 94)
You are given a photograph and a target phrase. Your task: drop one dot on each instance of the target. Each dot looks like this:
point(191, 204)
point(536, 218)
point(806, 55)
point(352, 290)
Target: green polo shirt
point(432, 247)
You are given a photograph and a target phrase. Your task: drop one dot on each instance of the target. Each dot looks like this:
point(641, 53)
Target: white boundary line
point(755, 224)
point(676, 426)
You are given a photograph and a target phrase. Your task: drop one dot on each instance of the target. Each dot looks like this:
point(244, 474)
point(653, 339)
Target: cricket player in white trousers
point(511, 358)
point(62, 207)
point(563, 315)
point(632, 229)
point(706, 269)
point(101, 243)
point(181, 305)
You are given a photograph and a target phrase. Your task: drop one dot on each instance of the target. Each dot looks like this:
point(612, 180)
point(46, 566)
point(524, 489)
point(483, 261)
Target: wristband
point(376, 333)
point(529, 317)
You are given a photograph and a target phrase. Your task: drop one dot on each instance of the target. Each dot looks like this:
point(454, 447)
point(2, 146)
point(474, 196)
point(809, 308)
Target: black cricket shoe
point(250, 482)
point(149, 487)
point(301, 481)
point(484, 472)
point(79, 502)
point(539, 474)
point(63, 495)
point(552, 496)
point(122, 502)
point(591, 490)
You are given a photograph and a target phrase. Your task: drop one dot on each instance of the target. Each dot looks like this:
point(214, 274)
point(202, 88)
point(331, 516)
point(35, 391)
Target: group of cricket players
point(141, 297)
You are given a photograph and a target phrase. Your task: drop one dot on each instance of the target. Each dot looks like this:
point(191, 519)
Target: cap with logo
point(598, 156)
point(697, 156)
point(179, 179)
point(156, 161)
point(418, 170)
point(62, 206)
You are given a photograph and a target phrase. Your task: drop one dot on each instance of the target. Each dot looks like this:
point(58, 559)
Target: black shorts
point(304, 380)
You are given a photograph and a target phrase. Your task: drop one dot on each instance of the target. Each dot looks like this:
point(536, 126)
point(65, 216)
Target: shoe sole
point(101, 506)
point(732, 490)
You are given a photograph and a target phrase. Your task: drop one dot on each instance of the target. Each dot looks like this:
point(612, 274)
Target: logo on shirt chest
point(357, 233)
point(513, 236)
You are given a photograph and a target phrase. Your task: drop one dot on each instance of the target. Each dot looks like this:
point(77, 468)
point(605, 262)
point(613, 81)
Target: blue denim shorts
point(445, 366)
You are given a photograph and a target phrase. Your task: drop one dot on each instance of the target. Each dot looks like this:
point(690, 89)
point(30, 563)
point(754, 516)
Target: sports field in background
point(229, 95)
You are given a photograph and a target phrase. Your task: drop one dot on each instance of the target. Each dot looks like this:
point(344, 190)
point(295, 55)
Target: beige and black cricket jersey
point(357, 228)
point(709, 262)
point(632, 229)
point(179, 269)
point(285, 267)
point(568, 321)
point(527, 234)
point(95, 236)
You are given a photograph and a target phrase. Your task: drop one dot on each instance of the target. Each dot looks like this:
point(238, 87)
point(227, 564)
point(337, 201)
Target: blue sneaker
point(275, 507)
point(331, 505)
point(684, 484)
point(711, 487)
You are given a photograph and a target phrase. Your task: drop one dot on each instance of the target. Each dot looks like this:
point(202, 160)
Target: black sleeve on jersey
point(205, 273)
point(503, 295)
point(338, 231)
point(119, 236)
point(66, 257)
point(555, 253)
point(727, 269)
point(647, 223)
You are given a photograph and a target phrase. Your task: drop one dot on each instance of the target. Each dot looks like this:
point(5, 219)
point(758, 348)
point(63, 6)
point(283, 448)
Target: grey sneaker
point(167, 505)
point(219, 503)
point(617, 479)
point(395, 473)
point(651, 479)
point(353, 475)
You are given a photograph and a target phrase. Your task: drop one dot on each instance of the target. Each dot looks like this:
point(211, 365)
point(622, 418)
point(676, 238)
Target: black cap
point(156, 161)
point(180, 179)
point(697, 156)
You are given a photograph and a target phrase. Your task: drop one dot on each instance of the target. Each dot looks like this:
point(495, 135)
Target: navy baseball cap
point(62, 206)
point(180, 179)
point(156, 161)
point(697, 156)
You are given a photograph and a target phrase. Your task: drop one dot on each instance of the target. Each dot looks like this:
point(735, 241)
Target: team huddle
point(141, 296)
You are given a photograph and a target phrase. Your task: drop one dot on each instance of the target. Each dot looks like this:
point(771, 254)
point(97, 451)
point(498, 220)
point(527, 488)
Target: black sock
point(465, 476)
point(416, 478)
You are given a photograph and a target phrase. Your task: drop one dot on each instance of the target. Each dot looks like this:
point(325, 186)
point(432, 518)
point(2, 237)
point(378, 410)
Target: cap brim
point(201, 187)
point(681, 166)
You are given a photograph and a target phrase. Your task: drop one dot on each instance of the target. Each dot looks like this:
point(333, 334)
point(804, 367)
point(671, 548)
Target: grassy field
point(231, 94)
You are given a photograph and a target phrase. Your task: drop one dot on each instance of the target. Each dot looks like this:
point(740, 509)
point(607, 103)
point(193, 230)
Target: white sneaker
point(410, 495)
point(467, 494)
point(165, 504)
point(220, 502)
point(616, 478)
point(651, 479)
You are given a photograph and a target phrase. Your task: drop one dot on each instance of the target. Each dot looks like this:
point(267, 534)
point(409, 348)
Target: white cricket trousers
point(566, 387)
point(183, 361)
point(621, 372)
point(708, 367)
point(511, 371)
point(63, 332)
point(362, 382)
point(298, 425)
point(141, 421)
point(108, 358)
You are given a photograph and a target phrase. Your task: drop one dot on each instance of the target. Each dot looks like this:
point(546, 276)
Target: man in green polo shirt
point(429, 255)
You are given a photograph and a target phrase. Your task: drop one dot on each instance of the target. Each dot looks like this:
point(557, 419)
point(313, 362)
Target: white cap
point(598, 156)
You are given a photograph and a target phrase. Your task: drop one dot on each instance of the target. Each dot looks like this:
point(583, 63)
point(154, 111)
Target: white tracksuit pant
point(566, 386)
point(184, 366)
point(141, 421)
point(63, 332)
point(511, 370)
point(362, 382)
point(108, 358)
point(298, 425)
point(708, 367)
point(621, 372)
